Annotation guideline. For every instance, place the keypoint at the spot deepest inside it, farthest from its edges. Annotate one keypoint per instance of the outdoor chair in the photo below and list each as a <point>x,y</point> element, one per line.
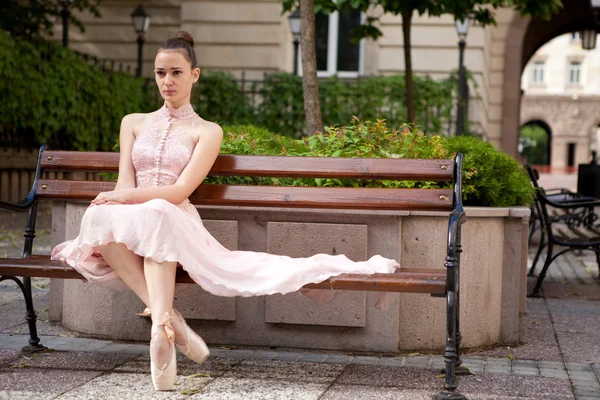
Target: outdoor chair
<point>566,220</point>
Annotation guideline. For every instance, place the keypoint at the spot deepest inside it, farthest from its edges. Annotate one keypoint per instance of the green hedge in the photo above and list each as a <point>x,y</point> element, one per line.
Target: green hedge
<point>55,97</point>
<point>278,104</point>
<point>491,178</point>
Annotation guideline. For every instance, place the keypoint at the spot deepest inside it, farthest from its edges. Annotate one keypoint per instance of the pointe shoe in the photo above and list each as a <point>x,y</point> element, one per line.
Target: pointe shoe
<point>195,349</point>
<point>163,376</point>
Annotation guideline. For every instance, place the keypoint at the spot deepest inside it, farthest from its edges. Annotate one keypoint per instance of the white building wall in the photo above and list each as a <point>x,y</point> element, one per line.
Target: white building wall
<point>556,56</point>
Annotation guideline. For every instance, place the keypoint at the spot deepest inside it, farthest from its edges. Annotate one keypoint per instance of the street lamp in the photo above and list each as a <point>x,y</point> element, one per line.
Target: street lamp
<point>66,15</point>
<point>141,21</point>
<point>462,28</point>
<point>588,39</point>
<point>588,36</point>
<point>295,27</point>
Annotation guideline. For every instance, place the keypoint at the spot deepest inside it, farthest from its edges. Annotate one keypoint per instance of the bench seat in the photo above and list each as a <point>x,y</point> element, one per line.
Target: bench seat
<point>415,280</point>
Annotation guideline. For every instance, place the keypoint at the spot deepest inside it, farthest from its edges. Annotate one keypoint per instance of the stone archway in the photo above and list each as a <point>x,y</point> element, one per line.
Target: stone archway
<point>571,121</point>
<point>525,36</point>
<point>544,125</point>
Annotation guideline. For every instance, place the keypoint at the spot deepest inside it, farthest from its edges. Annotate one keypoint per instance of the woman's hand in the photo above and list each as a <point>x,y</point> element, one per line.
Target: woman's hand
<point>112,197</point>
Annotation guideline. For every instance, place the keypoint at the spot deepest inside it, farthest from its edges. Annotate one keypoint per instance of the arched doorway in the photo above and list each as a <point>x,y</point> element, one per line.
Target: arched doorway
<point>525,36</point>
<point>535,143</point>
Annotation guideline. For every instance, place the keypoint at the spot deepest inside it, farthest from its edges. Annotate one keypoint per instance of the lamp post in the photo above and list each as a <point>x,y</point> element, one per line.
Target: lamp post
<point>462,28</point>
<point>141,21</point>
<point>295,27</point>
<point>65,13</point>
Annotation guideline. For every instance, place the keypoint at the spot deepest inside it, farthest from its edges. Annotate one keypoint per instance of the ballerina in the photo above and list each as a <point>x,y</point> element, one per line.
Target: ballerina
<point>135,236</point>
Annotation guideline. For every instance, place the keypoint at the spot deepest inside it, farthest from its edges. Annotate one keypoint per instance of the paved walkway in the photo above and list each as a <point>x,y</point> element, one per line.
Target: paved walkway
<point>559,358</point>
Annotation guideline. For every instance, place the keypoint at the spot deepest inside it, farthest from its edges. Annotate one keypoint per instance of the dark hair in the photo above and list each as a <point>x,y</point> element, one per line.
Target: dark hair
<point>182,41</point>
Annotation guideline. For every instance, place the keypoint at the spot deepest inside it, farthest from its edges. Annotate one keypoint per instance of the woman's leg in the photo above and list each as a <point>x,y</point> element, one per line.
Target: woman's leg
<point>160,280</point>
<point>129,266</point>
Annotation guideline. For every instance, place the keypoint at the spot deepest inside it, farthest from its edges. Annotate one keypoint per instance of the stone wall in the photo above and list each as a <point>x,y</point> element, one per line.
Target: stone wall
<point>492,288</point>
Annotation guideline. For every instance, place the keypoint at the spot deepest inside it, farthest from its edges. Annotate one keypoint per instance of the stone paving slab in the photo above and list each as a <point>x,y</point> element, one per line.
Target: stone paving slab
<point>119,386</point>
<point>258,389</point>
<point>80,361</point>
<point>43,380</point>
<point>8,355</point>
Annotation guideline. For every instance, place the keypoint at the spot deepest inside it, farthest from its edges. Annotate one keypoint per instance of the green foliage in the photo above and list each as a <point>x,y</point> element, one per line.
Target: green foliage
<point>56,98</point>
<point>481,11</point>
<point>490,177</point>
<point>535,144</point>
<point>279,105</point>
<point>217,96</point>
<point>34,19</point>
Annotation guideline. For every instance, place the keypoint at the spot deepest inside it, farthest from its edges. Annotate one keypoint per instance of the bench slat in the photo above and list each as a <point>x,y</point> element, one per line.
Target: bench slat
<point>414,280</point>
<point>277,166</point>
<point>276,196</point>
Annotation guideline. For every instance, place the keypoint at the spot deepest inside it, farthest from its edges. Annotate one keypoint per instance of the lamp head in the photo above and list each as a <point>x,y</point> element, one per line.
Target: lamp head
<point>462,27</point>
<point>295,25</point>
<point>140,19</point>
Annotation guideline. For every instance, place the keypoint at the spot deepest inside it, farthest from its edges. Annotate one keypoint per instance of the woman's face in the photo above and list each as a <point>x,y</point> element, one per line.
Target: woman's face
<point>174,77</point>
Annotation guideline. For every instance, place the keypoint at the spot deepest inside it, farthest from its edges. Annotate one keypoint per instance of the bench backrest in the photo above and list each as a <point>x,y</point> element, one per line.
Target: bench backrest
<point>276,166</point>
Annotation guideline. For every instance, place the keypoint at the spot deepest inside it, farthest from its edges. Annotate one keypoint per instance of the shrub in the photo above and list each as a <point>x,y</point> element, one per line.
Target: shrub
<point>490,177</point>
<point>277,102</point>
<point>55,97</point>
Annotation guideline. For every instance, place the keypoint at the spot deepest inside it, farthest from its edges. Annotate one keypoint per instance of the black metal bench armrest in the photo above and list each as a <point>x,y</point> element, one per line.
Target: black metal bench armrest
<point>559,191</point>
<point>574,203</point>
<point>29,200</point>
<point>23,205</point>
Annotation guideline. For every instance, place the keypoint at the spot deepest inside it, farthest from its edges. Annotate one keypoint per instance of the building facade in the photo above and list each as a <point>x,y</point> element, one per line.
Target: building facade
<point>561,86</point>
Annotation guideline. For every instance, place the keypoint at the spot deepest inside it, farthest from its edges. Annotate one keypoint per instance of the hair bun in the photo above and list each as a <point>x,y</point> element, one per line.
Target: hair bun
<point>183,35</point>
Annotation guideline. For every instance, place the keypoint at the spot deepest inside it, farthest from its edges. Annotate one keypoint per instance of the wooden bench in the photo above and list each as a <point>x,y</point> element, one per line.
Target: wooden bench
<point>567,220</point>
<point>437,282</point>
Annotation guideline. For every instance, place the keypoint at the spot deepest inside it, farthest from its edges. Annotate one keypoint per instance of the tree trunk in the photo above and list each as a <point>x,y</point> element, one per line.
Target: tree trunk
<point>408,74</point>
<point>310,84</point>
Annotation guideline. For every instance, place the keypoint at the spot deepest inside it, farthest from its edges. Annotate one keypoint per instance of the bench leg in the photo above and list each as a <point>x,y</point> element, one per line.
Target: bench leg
<point>538,253</point>
<point>597,251</point>
<point>451,354</point>
<point>31,317</point>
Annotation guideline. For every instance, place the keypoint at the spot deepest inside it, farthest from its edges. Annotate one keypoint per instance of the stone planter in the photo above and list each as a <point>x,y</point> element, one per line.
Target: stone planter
<point>492,281</point>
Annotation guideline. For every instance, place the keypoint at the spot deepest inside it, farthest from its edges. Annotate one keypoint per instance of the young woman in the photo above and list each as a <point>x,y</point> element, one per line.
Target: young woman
<point>137,234</point>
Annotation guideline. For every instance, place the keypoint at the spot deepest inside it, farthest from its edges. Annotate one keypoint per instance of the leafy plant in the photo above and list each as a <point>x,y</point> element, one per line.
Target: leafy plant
<point>490,177</point>
<point>276,103</point>
<point>58,99</point>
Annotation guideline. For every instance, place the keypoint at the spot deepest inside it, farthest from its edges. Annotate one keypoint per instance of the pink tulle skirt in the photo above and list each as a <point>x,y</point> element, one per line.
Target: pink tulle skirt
<point>163,232</point>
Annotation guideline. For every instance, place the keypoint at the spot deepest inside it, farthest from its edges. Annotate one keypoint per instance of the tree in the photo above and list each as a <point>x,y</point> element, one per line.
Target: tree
<point>534,141</point>
<point>34,19</point>
<point>310,83</point>
<point>480,10</point>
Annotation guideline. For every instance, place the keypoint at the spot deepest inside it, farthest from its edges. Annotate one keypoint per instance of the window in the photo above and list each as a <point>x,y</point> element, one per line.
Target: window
<point>335,53</point>
<point>537,73</point>
<point>575,73</point>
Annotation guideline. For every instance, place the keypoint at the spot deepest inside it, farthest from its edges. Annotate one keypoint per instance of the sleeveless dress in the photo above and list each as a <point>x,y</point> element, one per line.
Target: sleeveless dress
<point>163,231</point>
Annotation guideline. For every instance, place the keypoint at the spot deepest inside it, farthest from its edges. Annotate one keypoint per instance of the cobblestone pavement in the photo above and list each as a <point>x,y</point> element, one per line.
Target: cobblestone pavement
<point>559,357</point>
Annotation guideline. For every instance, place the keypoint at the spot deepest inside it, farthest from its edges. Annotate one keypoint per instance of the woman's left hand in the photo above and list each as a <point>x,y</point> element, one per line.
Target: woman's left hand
<point>111,197</point>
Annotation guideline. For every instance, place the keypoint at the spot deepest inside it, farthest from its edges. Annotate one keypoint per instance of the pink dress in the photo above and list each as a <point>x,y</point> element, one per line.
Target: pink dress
<point>164,231</point>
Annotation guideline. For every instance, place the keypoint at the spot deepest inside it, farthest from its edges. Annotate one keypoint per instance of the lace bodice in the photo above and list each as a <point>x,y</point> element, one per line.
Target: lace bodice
<point>163,146</point>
